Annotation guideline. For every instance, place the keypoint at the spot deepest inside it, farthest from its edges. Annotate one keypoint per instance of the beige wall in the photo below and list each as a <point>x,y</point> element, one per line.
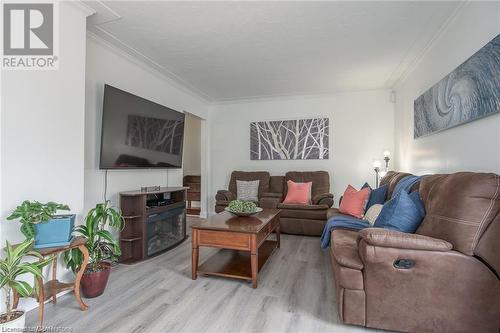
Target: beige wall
<point>108,65</point>
<point>42,132</point>
<point>470,147</point>
<point>361,127</point>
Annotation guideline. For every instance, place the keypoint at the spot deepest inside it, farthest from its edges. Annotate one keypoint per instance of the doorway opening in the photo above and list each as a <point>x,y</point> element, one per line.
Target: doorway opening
<point>192,163</point>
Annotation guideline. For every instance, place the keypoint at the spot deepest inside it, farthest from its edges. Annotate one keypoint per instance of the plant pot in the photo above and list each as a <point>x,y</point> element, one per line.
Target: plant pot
<point>16,325</point>
<point>93,283</point>
<point>55,232</point>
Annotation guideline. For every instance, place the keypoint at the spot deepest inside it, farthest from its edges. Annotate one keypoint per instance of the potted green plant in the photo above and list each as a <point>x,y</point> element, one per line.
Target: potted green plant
<point>102,247</point>
<point>38,221</point>
<point>11,268</point>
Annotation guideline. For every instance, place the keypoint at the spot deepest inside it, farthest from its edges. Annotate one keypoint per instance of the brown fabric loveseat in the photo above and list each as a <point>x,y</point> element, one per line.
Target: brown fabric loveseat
<point>310,219</point>
<point>295,219</point>
<point>443,278</point>
<point>266,198</point>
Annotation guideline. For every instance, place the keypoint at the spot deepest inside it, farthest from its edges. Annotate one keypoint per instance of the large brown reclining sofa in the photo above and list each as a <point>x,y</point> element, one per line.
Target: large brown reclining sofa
<point>295,219</point>
<point>443,278</point>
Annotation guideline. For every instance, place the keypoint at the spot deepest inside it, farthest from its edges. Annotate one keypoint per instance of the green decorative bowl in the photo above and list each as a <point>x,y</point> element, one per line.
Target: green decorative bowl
<point>257,210</point>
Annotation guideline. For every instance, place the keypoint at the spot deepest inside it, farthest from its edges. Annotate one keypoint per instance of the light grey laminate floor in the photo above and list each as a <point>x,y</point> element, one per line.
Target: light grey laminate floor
<point>296,293</point>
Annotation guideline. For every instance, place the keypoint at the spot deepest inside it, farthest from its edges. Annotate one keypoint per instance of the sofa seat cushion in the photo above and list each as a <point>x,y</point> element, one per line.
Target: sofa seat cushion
<point>306,227</point>
<point>311,212</point>
<point>332,212</point>
<point>302,207</point>
<point>344,248</point>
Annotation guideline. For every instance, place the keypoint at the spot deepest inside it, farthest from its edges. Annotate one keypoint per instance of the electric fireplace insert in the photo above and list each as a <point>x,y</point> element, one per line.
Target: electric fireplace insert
<point>165,230</point>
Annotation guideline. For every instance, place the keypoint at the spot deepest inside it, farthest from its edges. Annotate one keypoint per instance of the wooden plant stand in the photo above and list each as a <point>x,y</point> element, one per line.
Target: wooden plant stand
<point>54,286</point>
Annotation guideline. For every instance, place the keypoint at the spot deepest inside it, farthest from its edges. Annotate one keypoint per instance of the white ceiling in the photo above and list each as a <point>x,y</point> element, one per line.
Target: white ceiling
<point>240,50</point>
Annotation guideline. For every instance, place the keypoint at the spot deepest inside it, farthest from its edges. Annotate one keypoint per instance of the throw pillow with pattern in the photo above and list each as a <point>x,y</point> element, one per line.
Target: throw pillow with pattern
<point>247,190</point>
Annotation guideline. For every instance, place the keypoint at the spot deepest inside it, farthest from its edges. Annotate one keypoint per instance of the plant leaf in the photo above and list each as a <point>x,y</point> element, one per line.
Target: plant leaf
<point>30,268</point>
<point>106,235</point>
<point>22,248</point>
<point>41,264</point>
<point>28,230</point>
<point>34,254</point>
<point>22,287</point>
<point>3,280</point>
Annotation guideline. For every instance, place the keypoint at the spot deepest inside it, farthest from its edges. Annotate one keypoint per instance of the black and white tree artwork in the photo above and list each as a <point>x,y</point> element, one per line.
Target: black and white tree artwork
<point>304,139</point>
<point>162,135</point>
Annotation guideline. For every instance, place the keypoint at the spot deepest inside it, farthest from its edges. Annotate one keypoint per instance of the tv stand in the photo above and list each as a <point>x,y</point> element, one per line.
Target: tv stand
<point>155,222</point>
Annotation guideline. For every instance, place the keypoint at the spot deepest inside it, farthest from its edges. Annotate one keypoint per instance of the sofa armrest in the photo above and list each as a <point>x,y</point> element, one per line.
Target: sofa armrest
<point>323,199</point>
<point>270,200</point>
<point>398,270</point>
<point>223,195</point>
<point>395,239</point>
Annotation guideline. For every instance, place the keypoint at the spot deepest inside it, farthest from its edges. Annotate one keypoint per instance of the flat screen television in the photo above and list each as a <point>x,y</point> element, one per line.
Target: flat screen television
<point>137,133</point>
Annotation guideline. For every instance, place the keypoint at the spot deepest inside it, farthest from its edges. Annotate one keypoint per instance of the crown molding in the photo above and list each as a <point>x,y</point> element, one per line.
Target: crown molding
<point>104,14</point>
<point>428,46</point>
<point>280,97</point>
<point>105,38</point>
<point>80,5</point>
<point>118,47</point>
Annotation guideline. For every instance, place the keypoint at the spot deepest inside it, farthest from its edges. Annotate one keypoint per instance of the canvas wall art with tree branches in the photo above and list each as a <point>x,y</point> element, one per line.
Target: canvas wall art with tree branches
<point>162,135</point>
<point>303,139</point>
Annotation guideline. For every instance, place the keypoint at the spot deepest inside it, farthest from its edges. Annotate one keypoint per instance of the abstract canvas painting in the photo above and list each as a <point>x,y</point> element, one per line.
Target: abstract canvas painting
<point>304,139</point>
<point>162,135</point>
<point>470,92</point>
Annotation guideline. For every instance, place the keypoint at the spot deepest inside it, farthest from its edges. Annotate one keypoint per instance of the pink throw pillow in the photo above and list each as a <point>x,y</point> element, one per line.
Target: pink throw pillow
<point>354,201</point>
<point>298,193</point>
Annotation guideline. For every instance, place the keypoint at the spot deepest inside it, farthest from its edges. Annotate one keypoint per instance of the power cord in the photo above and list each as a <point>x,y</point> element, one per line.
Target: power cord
<point>105,185</point>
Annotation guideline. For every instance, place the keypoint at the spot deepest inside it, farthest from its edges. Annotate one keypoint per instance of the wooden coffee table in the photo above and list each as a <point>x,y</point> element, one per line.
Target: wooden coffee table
<point>243,243</point>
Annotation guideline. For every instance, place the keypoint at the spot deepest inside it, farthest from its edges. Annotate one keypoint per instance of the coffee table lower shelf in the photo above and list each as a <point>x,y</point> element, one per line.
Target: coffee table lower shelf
<point>236,264</point>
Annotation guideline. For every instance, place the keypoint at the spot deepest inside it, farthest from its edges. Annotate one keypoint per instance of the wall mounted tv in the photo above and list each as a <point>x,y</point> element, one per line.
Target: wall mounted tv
<point>137,133</point>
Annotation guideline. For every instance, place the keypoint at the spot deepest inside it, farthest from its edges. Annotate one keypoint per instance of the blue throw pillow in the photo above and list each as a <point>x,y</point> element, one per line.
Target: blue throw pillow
<point>402,213</point>
<point>415,197</point>
<point>377,196</point>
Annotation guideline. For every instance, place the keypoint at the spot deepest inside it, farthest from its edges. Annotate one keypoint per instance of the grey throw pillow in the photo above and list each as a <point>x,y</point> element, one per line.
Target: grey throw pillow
<point>247,190</point>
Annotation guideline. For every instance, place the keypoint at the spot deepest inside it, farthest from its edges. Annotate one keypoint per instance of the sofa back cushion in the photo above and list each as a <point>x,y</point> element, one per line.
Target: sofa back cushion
<point>488,247</point>
<point>261,176</point>
<point>460,207</point>
<point>320,180</point>
<point>277,184</point>
<point>391,179</point>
